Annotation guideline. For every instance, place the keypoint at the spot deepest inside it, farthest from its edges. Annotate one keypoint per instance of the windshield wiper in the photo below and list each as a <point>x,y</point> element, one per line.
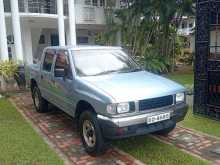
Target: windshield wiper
<point>106,72</point>
<point>131,70</point>
<point>119,71</point>
<point>136,70</point>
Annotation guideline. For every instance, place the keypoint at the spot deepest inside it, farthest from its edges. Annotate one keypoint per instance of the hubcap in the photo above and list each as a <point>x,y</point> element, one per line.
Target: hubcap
<point>89,133</point>
<point>36,99</point>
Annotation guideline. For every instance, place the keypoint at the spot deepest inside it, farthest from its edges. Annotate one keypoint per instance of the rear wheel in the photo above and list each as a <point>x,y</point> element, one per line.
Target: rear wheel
<point>166,131</point>
<point>40,104</point>
<point>91,134</point>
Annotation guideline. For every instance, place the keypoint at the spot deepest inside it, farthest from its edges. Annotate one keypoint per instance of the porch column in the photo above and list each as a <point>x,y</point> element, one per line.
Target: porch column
<point>3,35</point>
<point>17,30</point>
<point>61,28</point>
<point>72,22</point>
<point>27,42</point>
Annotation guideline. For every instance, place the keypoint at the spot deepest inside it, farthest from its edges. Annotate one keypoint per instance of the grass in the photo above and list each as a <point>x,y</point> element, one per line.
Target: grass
<point>185,79</point>
<point>202,124</point>
<point>20,144</point>
<point>154,152</point>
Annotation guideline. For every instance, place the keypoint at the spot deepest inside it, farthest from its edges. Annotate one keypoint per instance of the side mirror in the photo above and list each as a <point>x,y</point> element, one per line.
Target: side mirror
<point>60,72</point>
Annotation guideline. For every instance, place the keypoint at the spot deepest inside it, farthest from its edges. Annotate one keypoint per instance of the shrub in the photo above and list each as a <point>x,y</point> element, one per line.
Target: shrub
<point>8,69</point>
<point>153,62</point>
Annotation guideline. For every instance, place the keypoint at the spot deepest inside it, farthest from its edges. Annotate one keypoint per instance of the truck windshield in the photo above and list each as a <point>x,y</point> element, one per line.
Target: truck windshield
<point>101,62</point>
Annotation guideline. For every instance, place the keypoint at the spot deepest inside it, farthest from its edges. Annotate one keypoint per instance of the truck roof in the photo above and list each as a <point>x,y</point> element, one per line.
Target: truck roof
<point>83,47</point>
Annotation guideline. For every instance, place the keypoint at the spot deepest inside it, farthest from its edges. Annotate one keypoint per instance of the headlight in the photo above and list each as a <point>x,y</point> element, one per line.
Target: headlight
<point>180,97</point>
<point>111,109</point>
<point>123,108</point>
<point>119,108</point>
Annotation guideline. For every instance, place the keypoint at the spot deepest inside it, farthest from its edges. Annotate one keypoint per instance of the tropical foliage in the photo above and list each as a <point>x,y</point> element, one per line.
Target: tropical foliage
<point>149,30</point>
<point>8,69</point>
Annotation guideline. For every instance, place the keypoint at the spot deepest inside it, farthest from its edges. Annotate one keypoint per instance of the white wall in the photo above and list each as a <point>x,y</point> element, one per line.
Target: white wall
<point>89,14</point>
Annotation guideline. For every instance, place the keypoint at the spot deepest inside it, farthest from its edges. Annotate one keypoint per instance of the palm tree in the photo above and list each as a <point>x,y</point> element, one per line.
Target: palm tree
<point>148,24</point>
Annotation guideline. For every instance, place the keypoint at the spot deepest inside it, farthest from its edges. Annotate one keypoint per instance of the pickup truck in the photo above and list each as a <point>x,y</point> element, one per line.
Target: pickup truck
<point>107,92</point>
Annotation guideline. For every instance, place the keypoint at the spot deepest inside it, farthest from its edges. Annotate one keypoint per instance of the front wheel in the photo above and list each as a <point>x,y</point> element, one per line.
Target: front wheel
<point>91,134</point>
<point>40,104</point>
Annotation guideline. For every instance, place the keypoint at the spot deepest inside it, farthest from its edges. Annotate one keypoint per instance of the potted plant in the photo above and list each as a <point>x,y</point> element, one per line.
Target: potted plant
<point>8,69</point>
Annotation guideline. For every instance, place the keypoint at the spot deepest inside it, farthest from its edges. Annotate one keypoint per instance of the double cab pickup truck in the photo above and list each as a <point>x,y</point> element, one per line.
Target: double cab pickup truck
<point>107,92</point>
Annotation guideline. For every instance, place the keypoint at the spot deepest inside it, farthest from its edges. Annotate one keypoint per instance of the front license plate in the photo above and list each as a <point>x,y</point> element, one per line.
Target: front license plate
<point>158,118</point>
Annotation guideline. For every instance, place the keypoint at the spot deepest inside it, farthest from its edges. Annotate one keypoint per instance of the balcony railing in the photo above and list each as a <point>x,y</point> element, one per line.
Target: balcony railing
<point>36,6</point>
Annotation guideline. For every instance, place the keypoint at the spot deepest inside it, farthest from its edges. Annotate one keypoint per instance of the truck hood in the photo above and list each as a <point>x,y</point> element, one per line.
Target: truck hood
<point>134,86</point>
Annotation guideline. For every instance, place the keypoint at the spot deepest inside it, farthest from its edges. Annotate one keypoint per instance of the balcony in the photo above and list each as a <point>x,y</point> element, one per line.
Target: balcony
<point>87,11</point>
<point>36,6</point>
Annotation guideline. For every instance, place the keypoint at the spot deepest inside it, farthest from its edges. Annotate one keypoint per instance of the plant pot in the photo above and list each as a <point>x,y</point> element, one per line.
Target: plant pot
<point>8,85</point>
<point>20,77</point>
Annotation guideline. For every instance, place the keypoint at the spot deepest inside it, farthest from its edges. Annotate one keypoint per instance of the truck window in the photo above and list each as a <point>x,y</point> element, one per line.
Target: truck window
<point>48,60</point>
<point>62,62</point>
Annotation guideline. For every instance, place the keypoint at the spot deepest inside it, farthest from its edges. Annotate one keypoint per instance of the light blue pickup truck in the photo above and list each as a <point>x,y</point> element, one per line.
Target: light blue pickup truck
<point>107,92</point>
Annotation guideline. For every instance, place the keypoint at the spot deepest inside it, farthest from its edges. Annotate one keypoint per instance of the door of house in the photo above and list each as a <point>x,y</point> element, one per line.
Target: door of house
<point>54,40</point>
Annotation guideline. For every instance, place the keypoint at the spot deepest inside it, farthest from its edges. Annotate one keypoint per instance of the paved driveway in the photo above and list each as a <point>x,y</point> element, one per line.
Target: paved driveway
<point>59,131</point>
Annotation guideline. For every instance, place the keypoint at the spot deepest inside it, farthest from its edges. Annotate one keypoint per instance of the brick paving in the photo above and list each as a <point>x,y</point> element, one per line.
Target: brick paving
<point>198,144</point>
<point>59,130</point>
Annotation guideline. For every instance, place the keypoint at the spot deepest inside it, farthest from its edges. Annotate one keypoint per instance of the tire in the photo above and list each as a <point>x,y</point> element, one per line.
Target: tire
<point>99,146</point>
<point>166,131</point>
<point>40,104</point>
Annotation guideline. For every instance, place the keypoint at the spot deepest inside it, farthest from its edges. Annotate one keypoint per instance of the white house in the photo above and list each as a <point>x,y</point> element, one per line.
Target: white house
<point>27,26</point>
<point>187,29</point>
<point>187,26</point>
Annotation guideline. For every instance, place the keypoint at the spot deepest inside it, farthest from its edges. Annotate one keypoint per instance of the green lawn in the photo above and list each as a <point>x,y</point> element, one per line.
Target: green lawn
<point>153,152</point>
<point>19,143</point>
<point>182,78</point>
<point>202,124</point>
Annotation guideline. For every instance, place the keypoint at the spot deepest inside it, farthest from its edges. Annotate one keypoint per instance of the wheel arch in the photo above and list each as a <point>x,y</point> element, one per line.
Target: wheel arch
<point>82,106</point>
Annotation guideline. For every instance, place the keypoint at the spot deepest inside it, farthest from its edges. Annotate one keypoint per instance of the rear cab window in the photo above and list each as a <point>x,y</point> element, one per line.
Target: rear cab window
<point>48,60</point>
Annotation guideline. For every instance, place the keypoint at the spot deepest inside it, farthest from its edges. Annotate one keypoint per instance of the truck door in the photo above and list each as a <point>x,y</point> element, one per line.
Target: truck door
<point>63,82</point>
<point>46,74</point>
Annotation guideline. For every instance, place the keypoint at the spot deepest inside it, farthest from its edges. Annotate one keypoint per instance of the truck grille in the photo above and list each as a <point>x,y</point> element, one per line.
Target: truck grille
<point>155,103</point>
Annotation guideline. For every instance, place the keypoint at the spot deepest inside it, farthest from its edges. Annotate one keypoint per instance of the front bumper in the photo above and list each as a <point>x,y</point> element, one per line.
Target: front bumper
<point>114,128</point>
